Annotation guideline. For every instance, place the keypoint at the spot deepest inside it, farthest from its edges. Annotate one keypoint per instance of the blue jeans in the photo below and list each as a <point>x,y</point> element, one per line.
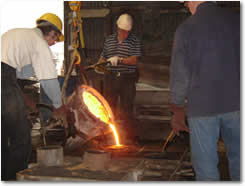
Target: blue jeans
<point>204,135</point>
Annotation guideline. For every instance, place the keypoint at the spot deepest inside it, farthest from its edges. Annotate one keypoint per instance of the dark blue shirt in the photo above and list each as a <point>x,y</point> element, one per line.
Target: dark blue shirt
<point>205,64</point>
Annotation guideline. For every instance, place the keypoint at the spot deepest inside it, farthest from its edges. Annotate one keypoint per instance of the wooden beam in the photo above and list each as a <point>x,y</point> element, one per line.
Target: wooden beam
<point>152,97</point>
<point>94,13</point>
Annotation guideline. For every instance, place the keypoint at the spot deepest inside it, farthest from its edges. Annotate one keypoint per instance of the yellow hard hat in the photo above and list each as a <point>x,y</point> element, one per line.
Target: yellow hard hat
<point>53,19</point>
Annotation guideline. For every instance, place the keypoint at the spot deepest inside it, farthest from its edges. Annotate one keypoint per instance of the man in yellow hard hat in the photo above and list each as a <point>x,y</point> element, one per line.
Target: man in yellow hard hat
<point>53,20</point>
<point>25,52</point>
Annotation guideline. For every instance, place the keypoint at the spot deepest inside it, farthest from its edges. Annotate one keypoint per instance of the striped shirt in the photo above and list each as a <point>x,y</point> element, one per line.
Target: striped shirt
<point>129,47</point>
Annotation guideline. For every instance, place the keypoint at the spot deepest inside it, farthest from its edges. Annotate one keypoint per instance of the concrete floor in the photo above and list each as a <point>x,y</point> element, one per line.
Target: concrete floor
<point>151,137</point>
<point>174,151</point>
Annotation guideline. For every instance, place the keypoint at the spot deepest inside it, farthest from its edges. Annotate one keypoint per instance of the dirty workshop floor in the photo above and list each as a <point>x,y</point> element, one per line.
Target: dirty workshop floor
<point>145,163</point>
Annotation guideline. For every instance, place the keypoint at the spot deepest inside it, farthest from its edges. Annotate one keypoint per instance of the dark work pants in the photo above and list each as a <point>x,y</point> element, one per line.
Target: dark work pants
<point>123,88</point>
<point>15,129</point>
<point>45,113</point>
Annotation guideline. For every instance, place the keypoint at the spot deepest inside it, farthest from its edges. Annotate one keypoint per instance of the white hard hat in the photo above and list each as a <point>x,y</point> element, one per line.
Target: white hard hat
<point>125,22</point>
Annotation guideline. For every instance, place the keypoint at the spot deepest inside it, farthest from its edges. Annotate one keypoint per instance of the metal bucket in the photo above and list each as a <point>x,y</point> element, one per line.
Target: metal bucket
<point>96,160</point>
<point>86,123</point>
<point>51,155</point>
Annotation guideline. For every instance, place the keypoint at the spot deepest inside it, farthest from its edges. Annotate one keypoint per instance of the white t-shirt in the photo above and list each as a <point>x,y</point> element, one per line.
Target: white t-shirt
<point>23,46</point>
<point>25,50</point>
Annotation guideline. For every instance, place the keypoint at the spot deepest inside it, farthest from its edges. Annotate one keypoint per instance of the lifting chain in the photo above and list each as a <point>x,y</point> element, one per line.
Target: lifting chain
<point>77,32</point>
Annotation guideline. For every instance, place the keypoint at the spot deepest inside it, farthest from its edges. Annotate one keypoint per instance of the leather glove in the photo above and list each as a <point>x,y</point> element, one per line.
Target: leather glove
<point>114,60</point>
<point>178,119</point>
<point>61,113</point>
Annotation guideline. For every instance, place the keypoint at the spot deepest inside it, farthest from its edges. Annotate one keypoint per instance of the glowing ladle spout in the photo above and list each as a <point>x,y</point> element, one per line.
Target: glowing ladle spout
<point>96,108</point>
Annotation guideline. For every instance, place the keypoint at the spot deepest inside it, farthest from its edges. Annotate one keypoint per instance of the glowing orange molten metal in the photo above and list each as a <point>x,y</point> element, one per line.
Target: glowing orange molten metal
<point>115,134</point>
<point>95,107</point>
<point>100,110</point>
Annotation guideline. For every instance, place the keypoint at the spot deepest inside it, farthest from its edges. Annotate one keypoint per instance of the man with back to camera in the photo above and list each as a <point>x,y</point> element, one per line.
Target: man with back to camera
<point>205,71</point>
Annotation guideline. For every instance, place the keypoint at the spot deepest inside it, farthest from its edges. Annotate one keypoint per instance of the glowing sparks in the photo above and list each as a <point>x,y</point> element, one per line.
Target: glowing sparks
<point>99,111</point>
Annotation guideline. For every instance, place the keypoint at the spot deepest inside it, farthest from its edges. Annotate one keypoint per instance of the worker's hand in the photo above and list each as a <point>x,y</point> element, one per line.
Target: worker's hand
<point>61,113</point>
<point>178,119</point>
<point>114,60</point>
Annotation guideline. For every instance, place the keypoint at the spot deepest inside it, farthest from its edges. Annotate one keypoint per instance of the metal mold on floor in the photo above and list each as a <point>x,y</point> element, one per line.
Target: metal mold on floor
<point>50,155</point>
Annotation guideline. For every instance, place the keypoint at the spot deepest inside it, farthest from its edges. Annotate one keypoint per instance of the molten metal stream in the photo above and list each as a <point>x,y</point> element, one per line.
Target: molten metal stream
<point>96,108</point>
<point>115,134</point>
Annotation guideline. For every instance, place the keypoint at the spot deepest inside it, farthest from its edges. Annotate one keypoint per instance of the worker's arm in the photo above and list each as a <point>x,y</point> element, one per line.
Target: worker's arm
<point>179,82</point>
<point>179,73</point>
<point>132,60</point>
<point>52,89</point>
<point>134,54</point>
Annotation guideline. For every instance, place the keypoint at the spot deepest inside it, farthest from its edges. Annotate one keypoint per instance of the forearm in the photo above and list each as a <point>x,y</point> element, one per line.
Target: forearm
<point>178,94</point>
<point>179,83</point>
<point>132,60</point>
<point>52,89</point>
<point>179,73</point>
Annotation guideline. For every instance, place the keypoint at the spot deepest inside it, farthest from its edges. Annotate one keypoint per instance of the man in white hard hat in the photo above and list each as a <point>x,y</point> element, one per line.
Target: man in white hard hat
<point>25,52</point>
<point>205,70</point>
<point>122,49</point>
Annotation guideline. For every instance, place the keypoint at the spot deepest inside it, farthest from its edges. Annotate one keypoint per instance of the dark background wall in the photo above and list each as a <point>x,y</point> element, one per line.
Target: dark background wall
<point>155,23</point>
